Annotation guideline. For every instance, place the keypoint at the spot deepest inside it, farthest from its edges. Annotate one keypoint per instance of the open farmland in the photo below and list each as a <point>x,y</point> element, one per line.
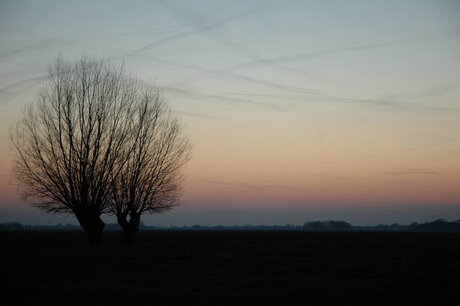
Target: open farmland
<point>231,267</point>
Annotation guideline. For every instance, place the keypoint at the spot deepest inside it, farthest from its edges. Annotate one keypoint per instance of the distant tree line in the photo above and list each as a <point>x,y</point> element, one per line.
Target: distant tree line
<point>437,225</point>
<point>16,226</point>
<point>327,225</point>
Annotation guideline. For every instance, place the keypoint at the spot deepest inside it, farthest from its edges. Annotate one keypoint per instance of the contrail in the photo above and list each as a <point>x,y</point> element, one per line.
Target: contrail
<point>14,89</point>
<point>15,85</point>
<point>217,97</point>
<point>322,53</point>
<point>235,75</point>
<point>300,90</point>
<point>37,80</point>
<point>192,114</point>
<point>401,105</point>
<point>381,154</point>
<point>198,20</point>
<point>275,61</point>
<point>51,43</point>
<point>17,88</point>
<point>306,56</point>
<point>234,184</point>
<point>411,172</point>
<point>203,28</point>
<point>313,93</point>
<point>41,45</point>
<point>191,16</point>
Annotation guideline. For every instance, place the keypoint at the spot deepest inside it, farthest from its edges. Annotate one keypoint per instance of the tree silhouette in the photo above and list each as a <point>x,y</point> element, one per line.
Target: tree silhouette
<point>72,145</point>
<point>150,179</point>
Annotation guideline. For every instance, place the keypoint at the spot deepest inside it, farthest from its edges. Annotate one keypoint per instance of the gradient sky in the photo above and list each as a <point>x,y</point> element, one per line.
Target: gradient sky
<point>298,110</point>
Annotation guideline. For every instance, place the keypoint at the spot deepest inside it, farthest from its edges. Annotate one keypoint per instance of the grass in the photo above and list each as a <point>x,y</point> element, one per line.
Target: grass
<point>231,268</point>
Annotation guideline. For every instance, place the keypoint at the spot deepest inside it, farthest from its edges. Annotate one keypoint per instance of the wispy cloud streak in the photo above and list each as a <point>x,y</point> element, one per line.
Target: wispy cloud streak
<point>289,88</point>
<point>196,115</point>
<point>203,28</point>
<point>307,94</point>
<point>59,43</point>
<point>242,185</point>
<point>217,97</point>
<point>233,184</point>
<point>304,56</point>
<point>9,92</point>
<point>411,172</point>
<point>188,17</point>
<point>415,148</point>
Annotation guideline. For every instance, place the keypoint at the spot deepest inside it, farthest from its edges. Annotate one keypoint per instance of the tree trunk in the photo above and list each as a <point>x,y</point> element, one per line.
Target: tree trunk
<point>93,226</point>
<point>130,227</point>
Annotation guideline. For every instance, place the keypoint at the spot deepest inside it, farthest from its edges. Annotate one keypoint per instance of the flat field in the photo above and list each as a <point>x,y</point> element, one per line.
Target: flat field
<point>231,268</point>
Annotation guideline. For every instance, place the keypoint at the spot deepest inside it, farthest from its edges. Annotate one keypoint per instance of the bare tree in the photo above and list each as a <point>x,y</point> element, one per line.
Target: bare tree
<point>73,142</point>
<point>150,179</point>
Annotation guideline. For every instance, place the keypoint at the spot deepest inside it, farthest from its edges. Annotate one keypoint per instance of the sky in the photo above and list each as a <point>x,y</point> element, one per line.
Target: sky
<point>297,110</point>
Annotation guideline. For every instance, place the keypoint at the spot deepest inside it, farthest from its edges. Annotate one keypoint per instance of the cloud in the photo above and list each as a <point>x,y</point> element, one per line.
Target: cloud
<point>204,27</point>
<point>8,92</point>
<point>338,177</point>
<point>306,56</point>
<point>45,44</point>
<point>14,87</point>
<point>301,90</point>
<point>216,97</point>
<point>188,17</point>
<point>409,106</point>
<point>429,92</point>
<point>192,114</point>
<point>439,90</point>
<point>233,184</point>
<point>58,43</point>
<point>398,182</point>
<point>415,148</point>
<point>303,56</point>
<point>242,185</point>
<point>305,93</point>
<point>411,172</point>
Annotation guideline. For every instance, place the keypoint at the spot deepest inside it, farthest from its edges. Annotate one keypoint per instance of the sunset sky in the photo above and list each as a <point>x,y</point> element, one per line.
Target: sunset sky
<point>297,110</point>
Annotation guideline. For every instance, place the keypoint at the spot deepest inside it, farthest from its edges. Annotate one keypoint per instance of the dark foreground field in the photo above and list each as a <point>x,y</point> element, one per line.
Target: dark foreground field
<point>231,268</point>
